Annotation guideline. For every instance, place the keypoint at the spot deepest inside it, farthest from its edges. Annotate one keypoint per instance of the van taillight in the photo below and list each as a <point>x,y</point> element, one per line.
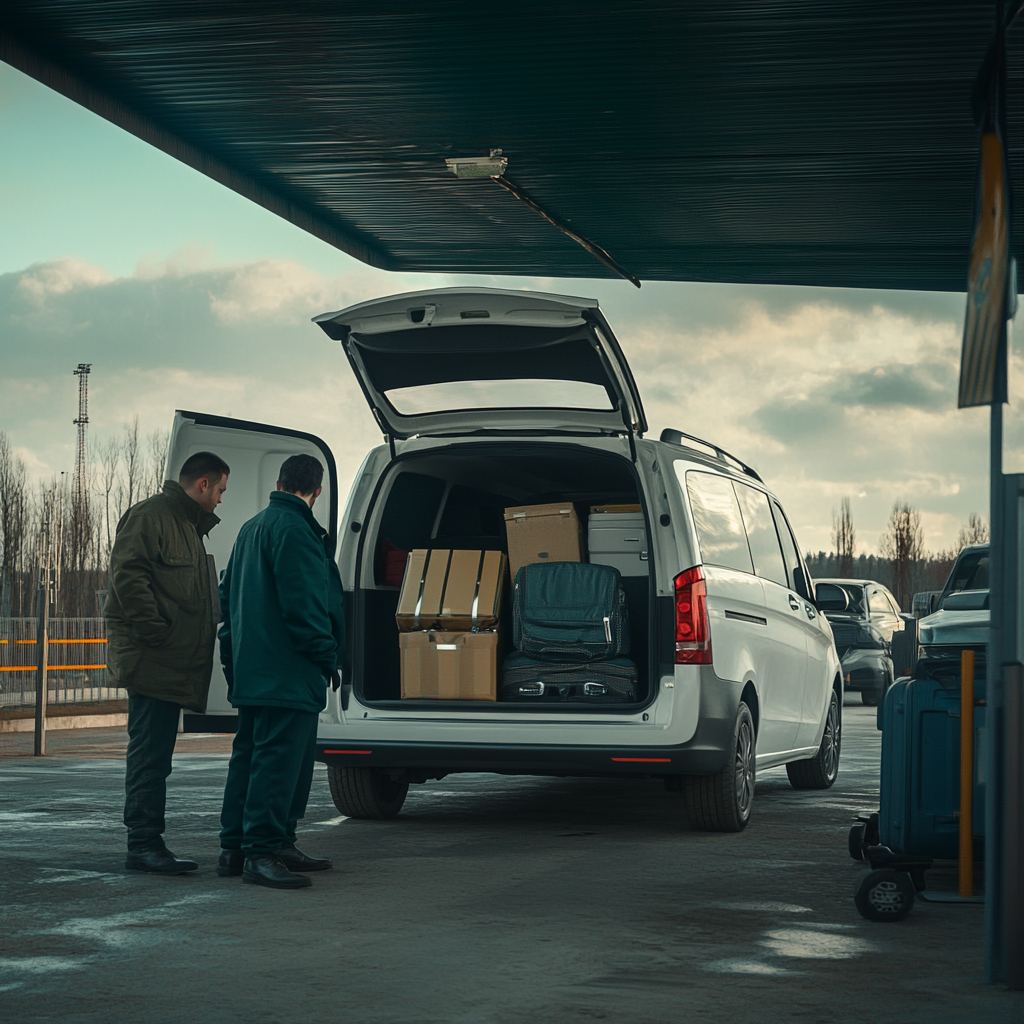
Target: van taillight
<point>693,631</point>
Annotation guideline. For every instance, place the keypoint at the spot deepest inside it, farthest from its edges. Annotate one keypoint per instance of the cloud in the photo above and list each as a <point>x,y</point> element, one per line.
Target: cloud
<point>826,393</point>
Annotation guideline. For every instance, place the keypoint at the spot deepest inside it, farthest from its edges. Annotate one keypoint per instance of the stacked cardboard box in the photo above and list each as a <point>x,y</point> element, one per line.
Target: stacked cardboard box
<point>448,613</point>
<point>543,533</point>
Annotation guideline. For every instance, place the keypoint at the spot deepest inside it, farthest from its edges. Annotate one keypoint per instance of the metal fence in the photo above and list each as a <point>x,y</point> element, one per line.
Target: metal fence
<point>77,657</point>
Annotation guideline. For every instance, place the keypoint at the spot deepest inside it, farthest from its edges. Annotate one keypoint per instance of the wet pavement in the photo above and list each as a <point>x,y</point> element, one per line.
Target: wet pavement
<point>489,899</point>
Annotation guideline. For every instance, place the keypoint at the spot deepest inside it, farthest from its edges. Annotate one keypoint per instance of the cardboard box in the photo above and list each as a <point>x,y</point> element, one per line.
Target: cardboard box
<point>614,509</point>
<point>543,533</point>
<point>451,590</point>
<point>449,666</point>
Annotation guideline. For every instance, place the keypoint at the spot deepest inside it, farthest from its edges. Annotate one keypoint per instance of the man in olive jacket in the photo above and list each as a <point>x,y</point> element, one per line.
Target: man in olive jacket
<point>279,644</point>
<point>160,636</point>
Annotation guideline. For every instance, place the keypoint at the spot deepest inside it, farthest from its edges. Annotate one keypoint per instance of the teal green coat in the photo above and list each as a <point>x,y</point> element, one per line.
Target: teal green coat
<point>159,611</point>
<point>280,598</point>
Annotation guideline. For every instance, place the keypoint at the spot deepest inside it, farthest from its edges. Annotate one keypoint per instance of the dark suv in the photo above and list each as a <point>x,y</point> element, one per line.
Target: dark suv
<point>863,616</point>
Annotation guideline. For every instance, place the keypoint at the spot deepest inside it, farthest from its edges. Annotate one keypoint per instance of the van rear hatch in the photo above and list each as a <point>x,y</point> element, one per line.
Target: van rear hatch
<point>464,361</point>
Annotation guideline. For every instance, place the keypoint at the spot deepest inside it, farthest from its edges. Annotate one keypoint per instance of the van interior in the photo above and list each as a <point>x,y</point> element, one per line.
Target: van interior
<point>456,499</point>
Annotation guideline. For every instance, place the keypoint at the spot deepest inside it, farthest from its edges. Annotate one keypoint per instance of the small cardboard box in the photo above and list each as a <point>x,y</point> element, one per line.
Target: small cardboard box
<point>543,533</point>
<point>449,666</point>
<point>451,590</point>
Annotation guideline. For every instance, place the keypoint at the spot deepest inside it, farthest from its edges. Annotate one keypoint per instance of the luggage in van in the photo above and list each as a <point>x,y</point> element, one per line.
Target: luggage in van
<point>597,682</point>
<point>543,533</point>
<point>919,809</point>
<point>449,666</point>
<point>451,590</point>
<point>618,538</point>
<point>569,611</point>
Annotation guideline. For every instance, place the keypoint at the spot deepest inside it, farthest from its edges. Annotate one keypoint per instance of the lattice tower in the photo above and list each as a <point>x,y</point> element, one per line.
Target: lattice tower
<point>81,482</point>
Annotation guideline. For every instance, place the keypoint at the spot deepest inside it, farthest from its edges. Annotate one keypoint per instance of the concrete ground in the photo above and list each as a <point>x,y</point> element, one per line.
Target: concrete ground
<point>490,900</point>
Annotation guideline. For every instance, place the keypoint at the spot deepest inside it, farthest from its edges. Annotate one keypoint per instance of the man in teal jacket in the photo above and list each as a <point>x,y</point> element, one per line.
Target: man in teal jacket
<point>279,644</point>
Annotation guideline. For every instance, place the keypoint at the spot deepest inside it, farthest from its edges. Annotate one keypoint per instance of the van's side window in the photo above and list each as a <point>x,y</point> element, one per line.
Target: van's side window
<point>764,541</point>
<point>788,545</point>
<point>717,519</point>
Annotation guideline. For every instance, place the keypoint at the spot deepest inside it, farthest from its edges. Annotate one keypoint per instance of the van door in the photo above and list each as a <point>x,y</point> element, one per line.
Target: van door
<point>817,637</point>
<point>254,451</point>
<point>785,675</point>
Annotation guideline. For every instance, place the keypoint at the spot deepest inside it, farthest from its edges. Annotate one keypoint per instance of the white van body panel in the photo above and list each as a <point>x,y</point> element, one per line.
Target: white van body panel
<point>254,452</point>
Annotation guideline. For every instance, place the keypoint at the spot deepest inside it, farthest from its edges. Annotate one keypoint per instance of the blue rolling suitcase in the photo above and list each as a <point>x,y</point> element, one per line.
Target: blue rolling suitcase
<point>569,611</point>
<point>919,812</point>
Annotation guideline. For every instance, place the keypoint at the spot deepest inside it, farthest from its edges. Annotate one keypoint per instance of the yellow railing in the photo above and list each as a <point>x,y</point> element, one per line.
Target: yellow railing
<point>51,665</point>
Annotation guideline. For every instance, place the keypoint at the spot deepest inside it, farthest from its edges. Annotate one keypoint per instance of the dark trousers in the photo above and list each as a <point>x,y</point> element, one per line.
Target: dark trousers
<point>152,731</point>
<point>269,777</point>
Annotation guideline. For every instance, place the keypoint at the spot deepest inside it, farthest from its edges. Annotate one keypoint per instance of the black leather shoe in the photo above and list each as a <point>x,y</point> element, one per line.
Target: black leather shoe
<point>296,860</point>
<point>160,861</point>
<point>268,869</point>
<point>231,863</point>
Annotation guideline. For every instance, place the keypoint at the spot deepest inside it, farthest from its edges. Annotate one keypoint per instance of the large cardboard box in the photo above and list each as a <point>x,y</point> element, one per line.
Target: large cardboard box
<point>543,533</point>
<point>449,666</point>
<point>451,590</point>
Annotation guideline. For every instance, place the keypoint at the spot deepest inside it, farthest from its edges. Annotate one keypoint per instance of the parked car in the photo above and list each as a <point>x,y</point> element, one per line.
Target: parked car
<point>488,399</point>
<point>864,616</point>
<point>962,617</point>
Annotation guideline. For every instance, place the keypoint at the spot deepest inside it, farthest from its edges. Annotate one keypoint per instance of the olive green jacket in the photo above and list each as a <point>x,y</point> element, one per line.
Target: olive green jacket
<point>160,611</point>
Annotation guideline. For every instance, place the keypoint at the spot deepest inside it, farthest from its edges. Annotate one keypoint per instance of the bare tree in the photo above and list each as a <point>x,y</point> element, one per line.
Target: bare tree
<point>974,531</point>
<point>130,479</point>
<point>107,485</point>
<point>903,544</point>
<point>158,442</point>
<point>14,515</point>
<point>844,538</point>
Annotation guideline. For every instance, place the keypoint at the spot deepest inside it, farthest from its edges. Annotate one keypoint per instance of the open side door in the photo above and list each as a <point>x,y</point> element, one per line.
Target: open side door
<point>254,451</point>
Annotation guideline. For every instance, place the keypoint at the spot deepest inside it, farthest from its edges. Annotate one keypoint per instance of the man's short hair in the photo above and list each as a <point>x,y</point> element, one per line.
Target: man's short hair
<point>300,474</point>
<point>202,464</point>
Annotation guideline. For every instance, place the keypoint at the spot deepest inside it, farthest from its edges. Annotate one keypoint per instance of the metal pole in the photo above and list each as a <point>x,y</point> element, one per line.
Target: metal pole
<point>966,774</point>
<point>1013,850</point>
<point>994,953</point>
<point>42,648</point>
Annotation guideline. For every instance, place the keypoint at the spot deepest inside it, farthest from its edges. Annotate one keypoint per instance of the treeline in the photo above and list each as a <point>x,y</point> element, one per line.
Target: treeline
<point>903,563</point>
<point>70,528</point>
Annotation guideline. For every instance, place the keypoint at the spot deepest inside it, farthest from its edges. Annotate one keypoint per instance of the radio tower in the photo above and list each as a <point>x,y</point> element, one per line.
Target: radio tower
<point>81,520</point>
<point>81,484</point>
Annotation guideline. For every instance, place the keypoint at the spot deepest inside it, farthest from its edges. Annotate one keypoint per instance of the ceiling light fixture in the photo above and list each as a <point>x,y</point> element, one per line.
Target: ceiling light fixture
<point>493,167</point>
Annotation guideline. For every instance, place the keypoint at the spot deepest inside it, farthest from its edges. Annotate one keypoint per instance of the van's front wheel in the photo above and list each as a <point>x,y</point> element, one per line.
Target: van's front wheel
<point>820,771</point>
<point>365,793</point>
<point>722,802</point>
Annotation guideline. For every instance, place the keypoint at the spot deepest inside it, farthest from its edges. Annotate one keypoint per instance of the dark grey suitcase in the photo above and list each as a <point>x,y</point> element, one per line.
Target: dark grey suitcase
<point>569,611</point>
<point>599,682</point>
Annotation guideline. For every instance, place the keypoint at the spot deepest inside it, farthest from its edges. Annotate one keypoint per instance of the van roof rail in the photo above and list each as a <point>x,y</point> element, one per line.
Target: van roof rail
<point>670,436</point>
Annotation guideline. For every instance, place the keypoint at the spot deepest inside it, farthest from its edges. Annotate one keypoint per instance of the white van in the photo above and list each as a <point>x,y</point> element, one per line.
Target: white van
<point>489,399</point>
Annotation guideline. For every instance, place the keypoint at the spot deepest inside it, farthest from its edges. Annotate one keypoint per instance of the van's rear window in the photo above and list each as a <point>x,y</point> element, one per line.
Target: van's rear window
<point>719,525</point>
<point>452,396</point>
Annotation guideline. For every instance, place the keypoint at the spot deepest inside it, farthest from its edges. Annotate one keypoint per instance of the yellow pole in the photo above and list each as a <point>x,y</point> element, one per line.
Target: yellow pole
<point>966,774</point>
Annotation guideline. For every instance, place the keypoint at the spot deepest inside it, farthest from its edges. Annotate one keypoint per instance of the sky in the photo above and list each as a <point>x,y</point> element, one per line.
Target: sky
<point>184,295</point>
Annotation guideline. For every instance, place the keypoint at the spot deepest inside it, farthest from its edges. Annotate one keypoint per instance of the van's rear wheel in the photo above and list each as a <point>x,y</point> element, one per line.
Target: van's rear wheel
<point>365,793</point>
<point>722,802</point>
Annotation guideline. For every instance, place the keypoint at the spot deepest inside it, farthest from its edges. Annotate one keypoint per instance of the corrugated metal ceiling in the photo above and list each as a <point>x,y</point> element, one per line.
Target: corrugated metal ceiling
<point>778,142</point>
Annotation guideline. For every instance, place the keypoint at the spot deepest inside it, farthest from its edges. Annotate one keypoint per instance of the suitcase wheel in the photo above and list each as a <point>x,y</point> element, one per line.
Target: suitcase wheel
<point>884,895</point>
<point>856,841</point>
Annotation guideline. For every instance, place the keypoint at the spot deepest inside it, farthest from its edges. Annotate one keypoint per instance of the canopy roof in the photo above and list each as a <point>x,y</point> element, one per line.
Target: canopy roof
<point>792,142</point>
